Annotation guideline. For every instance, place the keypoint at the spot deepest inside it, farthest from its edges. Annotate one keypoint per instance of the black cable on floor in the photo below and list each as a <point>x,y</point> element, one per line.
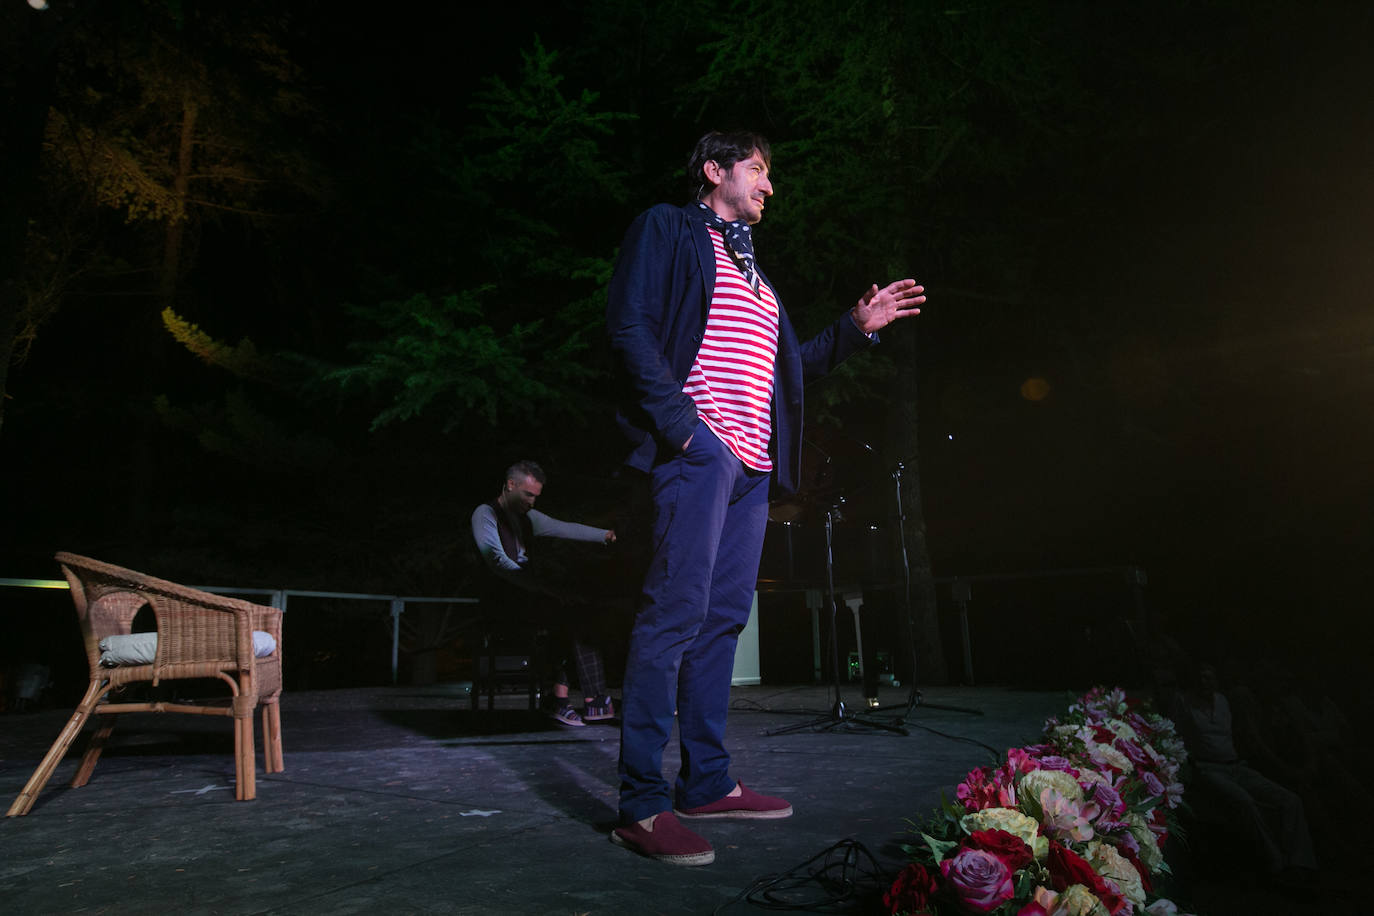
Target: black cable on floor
<point>841,878</point>
<point>996,754</point>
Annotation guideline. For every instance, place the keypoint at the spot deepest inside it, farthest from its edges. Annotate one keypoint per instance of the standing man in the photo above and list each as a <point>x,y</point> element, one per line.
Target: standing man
<point>503,530</point>
<point>711,374</point>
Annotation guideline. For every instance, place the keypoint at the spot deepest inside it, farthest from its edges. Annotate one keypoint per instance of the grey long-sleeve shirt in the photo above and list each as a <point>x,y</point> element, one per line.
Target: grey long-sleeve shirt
<point>488,538</point>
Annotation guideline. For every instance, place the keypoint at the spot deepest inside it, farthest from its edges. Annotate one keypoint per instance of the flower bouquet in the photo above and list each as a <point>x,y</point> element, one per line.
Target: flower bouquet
<point>1073,826</point>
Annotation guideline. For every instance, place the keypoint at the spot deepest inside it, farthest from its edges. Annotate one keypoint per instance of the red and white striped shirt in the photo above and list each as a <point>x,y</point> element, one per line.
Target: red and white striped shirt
<point>732,378</point>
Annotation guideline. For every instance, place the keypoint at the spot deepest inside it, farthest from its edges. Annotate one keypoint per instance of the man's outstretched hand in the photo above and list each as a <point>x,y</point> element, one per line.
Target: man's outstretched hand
<point>878,308</point>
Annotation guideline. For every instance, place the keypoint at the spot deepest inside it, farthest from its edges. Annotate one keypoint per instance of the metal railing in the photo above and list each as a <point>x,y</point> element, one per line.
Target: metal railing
<point>1132,578</point>
<point>960,590</point>
<point>280,597</point>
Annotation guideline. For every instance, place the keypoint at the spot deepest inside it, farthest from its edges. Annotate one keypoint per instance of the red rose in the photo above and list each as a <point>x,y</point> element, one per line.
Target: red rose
<point>1068,867</point>
<point>1008,847</point>
<point>1113,900</point>
<point>911,892</point>
<point>979,881</point>
<point>1144,872</point>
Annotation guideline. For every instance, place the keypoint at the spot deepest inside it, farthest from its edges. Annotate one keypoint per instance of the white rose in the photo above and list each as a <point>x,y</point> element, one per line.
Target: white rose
<point>1063,783</point>
<point>1112,756</point>
<point>1116,868</point>
<point>1151,856</point>
<point>1122,729</point>
<point>1088,778</point>
<point>1077,900</point>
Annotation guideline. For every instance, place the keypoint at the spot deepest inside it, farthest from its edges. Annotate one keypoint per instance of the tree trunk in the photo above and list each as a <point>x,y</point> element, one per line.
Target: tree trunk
<point>923,618</point>
<point>149,338</point>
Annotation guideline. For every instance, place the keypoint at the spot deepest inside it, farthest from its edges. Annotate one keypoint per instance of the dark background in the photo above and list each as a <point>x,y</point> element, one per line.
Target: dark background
<point>1148,341</point>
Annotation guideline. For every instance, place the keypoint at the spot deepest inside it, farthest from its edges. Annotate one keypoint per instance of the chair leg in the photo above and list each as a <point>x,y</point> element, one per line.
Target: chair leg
<point>93,750</point>
<point>271,738</point>
<point>478,684</point>
<point>532,684</point>
<point>40,776</point>
<point>539,663</point>
<point>491,673</point>
<point>245,762</point>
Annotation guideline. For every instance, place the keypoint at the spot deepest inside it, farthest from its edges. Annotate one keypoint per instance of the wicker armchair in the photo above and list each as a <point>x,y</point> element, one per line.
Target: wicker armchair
<point>199,635</point>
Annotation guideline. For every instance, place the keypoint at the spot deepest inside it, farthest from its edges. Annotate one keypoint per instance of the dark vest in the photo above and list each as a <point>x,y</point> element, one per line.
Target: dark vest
<point>510,538</point>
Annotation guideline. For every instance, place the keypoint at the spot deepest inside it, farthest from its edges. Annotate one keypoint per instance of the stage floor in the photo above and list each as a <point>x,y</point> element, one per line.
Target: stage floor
<point>402,800</point>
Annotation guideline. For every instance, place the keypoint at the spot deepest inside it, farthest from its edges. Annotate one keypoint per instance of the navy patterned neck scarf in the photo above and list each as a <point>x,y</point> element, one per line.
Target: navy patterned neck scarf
<point>738,238</point>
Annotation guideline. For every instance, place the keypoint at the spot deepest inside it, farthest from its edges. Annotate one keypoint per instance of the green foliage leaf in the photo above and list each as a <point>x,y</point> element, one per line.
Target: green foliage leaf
<point>441,353</point>
<point>939,849</point>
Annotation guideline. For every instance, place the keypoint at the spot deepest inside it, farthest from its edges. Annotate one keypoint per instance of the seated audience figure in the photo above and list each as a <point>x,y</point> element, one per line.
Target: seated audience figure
<point>1317,739</point>
<point>504,530</point>
<point>1271,816</point>
<point>1261,740</point>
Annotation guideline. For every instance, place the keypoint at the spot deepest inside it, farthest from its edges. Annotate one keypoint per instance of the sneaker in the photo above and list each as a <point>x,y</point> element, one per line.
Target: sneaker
<point>565,715</point>
<point>599,709</point>
<point>747,805</point>
<point>669,842</point>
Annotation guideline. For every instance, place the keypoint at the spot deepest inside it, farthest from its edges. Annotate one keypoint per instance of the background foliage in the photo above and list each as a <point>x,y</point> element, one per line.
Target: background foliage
<point>285,288</point>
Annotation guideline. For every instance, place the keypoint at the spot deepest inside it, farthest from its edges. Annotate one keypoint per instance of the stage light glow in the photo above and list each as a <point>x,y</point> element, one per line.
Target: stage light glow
<point>1035,388</point>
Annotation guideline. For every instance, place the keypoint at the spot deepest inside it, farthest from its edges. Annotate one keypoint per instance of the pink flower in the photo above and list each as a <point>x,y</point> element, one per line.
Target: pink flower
<point>1159,826</point>
<point>985,787</point>
<point>1157,760</point>
<point>1133,752</point>
<point>1065,819</point>
<point>1128,843</point>
<point>1041,904</point>
<point>1109,799</point>
<point>979,881</point>
<point>1022,759</point>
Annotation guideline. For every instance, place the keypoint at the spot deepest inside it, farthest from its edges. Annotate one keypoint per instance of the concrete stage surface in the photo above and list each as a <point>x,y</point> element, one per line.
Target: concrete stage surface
<point>402,800</point>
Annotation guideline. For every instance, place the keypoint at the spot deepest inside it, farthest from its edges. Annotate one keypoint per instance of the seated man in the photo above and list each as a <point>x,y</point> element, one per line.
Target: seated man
<point>1268,815</point>
<point>504,529</point>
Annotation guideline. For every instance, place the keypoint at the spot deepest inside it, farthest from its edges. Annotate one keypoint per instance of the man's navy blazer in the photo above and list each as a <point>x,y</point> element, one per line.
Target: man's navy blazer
<point>656,316</point>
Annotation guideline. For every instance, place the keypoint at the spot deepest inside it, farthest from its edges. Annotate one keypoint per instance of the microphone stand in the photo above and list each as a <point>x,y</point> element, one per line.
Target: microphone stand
<point>914,698</point>
<point>839,717</point>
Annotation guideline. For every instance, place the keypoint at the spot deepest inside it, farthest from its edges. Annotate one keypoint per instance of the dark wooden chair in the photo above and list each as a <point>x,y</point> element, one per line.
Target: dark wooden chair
<point>199,635</point>
<point>510,642</point>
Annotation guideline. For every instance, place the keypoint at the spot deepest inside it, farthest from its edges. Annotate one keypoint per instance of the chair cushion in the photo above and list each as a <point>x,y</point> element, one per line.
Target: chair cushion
<point>141,648</point>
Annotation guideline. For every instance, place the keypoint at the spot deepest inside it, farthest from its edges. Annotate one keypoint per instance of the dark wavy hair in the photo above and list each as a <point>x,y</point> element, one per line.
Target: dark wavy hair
<point>724,148</point>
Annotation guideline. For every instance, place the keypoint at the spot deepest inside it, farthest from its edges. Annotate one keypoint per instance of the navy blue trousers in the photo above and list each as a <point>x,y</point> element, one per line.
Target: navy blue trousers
<point>710,513</point>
